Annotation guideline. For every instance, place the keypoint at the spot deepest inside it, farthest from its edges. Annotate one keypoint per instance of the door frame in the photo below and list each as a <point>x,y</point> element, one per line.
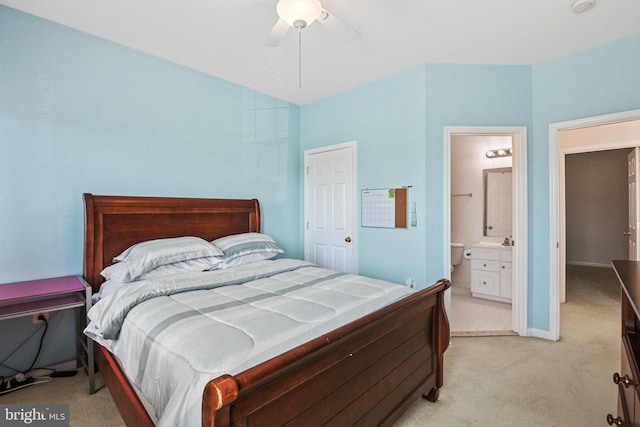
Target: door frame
<point>354,146</point>
<point>520,214</point>
<point>557,208</point>
<point>633,217</point>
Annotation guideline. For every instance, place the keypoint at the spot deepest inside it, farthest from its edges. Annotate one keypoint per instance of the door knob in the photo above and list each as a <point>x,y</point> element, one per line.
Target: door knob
<point>347,239</point>
<point>614,421</point>
<point>625,380</point>
<point>627,233</point>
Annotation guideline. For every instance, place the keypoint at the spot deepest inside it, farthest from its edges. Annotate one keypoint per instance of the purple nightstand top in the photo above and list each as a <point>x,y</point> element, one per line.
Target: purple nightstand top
<point>39,288</point>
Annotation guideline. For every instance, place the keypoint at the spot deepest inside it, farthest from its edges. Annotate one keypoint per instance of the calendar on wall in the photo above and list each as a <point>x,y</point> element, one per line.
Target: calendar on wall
<point>384,207</point>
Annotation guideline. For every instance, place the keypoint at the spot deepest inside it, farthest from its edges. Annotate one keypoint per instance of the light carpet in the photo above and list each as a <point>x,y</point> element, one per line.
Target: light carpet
<point>489,381</point>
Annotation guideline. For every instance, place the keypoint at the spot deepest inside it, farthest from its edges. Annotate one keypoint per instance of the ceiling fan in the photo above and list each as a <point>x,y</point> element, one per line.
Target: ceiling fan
<point>300,14</point>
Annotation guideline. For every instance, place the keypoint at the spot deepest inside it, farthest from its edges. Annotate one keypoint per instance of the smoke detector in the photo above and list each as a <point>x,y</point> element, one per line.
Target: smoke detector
<point>580,6</point>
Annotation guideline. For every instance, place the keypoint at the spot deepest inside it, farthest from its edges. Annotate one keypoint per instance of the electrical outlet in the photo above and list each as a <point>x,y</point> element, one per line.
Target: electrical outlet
<point>36,317</point>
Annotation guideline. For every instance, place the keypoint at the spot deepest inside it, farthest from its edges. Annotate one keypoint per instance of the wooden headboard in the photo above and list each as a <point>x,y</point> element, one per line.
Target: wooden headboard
<point>113,223</point>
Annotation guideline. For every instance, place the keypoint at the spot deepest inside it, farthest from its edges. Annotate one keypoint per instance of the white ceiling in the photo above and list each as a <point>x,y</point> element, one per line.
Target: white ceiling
<point>224,38</point>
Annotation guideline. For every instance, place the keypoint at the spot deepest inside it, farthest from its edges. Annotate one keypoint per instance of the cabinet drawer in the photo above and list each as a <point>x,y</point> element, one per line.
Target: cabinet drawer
<point>627,393</point>
<point>623,407</point>
<point>506,288</point>
<point>487,283</point>
<point>485,265</point>
<point>484,253</point>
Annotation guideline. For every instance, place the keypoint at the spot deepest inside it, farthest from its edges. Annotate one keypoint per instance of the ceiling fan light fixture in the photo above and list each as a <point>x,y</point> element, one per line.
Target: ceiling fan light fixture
<point>299,13</point>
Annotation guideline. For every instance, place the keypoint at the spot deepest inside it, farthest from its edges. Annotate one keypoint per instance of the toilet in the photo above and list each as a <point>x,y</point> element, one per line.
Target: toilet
<point>457,250</point>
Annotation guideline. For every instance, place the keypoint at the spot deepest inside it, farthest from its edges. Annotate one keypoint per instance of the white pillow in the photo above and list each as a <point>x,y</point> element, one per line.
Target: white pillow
<point>146,256</point>
<point>246,259</point>
<point>247,247</point>
<point>107,288</point>
<point>119,272</point>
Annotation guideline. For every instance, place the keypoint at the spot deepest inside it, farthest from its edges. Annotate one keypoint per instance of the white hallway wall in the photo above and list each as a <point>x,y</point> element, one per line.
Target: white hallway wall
<point>597,207</point>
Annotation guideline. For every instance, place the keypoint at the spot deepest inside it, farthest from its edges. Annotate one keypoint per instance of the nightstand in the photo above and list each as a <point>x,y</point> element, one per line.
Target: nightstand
<point>35,297</point>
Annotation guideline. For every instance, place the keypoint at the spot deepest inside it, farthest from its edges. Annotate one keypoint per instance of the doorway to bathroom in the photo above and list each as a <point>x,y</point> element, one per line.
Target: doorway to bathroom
<point>487,229</point>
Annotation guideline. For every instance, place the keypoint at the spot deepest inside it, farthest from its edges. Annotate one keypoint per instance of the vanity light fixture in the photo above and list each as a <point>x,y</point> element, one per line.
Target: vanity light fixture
<point>500,152</point>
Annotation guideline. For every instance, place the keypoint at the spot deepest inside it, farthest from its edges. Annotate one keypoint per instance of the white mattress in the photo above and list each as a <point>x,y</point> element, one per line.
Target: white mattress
<point>172,336</point>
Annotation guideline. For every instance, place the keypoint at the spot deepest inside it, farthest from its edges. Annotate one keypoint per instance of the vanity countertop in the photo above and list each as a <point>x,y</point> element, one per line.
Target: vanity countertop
<point>490,245</point>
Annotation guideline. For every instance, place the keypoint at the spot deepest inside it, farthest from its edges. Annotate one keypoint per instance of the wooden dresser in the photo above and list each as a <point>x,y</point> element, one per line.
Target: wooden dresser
<point>627,379</point>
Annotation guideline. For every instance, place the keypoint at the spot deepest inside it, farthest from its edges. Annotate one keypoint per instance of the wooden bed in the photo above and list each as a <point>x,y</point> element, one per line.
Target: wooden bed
<point>367,372</point>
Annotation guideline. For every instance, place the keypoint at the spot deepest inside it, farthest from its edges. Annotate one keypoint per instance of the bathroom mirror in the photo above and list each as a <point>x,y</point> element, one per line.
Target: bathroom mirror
<point>498,202</point>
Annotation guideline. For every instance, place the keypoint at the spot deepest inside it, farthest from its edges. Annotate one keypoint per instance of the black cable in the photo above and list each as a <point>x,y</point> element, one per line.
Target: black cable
<point>46,326</point>
<point>22,345</point>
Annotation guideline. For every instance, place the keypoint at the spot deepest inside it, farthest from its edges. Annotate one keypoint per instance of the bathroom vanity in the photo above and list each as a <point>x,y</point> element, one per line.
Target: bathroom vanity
<point>491,270</point>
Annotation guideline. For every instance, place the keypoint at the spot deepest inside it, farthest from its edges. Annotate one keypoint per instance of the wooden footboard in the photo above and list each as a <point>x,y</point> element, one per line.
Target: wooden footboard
<point>365,373</point>
<point>124,396</point>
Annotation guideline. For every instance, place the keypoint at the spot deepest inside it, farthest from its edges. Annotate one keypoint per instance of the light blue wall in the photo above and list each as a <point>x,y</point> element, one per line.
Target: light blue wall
<point>387,119</point>
<point>597,81</point>
<point>465,95</point>
<point>594,82</point>
<point>399,125</point>
<point>79,114</point>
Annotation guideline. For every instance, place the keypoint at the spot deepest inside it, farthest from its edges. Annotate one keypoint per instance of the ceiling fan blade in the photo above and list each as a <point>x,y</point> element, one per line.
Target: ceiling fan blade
<point>277,33</point>
<point>338,26</point>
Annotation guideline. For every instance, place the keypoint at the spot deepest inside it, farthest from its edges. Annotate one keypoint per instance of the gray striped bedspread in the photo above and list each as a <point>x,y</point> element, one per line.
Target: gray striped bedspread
<point>171,336</point>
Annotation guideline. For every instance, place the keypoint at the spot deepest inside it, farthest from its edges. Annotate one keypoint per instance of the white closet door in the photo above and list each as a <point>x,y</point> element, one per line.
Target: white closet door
<point>330,208</point>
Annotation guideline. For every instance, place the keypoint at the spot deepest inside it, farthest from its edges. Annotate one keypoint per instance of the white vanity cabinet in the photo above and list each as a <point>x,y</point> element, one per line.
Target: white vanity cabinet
<point>491,272</point>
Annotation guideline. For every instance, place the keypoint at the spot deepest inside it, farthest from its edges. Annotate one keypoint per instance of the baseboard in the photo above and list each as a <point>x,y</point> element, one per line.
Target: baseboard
<point>460,284</point>
<point>589,264</point>
<point>539,333</point>
<point>482,333</point>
